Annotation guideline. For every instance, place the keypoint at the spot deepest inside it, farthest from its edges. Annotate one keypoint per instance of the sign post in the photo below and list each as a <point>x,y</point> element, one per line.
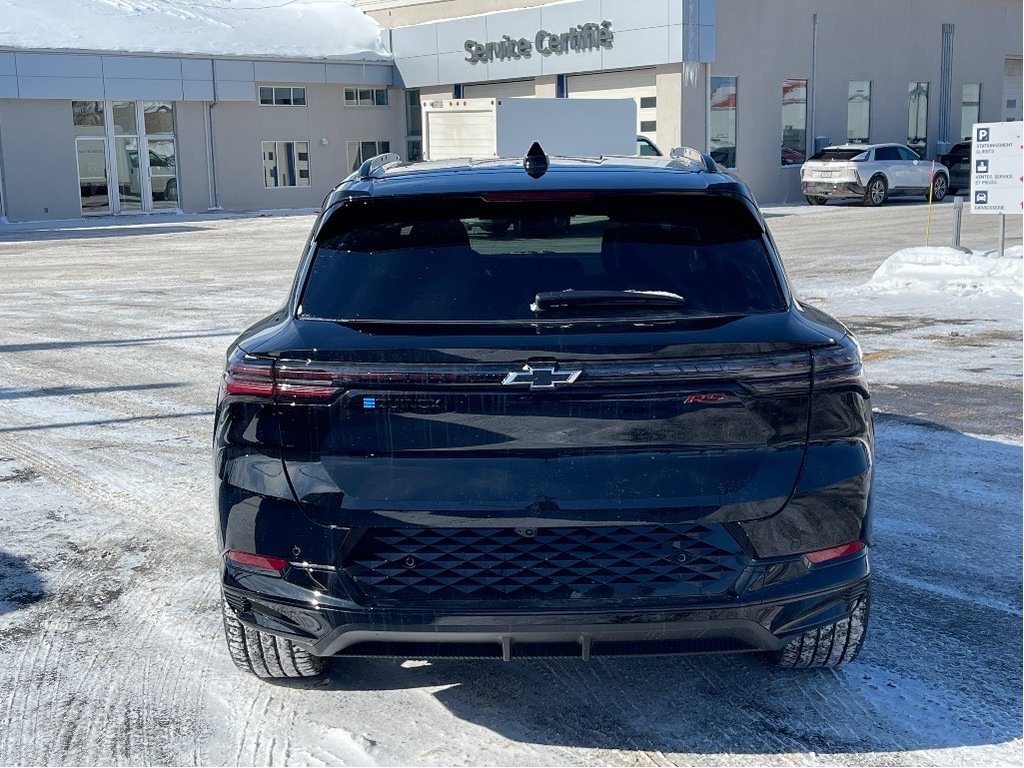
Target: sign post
<point>997,173</point>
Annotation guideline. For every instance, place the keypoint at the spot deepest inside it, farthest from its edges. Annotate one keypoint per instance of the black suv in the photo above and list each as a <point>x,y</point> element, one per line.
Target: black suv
<point>958,161</point>
<point>542,406</point>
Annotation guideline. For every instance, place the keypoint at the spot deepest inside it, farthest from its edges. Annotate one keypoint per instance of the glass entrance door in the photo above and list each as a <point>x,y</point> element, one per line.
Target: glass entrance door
<point>91,147</point>
<point>130,171</point>
<point>158,118</point>
<point>126,156</point>
<point>129,174</point>
<point>92,175</point>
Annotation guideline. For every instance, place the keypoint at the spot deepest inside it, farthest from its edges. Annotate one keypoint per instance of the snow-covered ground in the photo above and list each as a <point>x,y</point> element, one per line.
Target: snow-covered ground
<point>111,652</point>
<point>301,28</point>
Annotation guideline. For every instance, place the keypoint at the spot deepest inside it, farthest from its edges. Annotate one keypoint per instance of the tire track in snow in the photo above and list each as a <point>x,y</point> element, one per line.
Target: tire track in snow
<point>102,720</point>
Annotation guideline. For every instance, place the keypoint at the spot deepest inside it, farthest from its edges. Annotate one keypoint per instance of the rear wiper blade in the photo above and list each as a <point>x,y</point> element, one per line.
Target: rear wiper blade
<point>554,301</point>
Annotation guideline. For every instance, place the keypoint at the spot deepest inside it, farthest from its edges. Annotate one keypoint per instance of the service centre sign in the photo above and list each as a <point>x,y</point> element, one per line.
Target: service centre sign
<point>997,168</point>
<point>582,37</point>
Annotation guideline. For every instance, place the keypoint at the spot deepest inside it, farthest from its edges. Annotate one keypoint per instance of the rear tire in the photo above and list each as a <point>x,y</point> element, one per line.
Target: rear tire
<point>265,655</point>
<point>939,188</point>
<point>815,200</point>
<point>829,646</point>
<point>876,191</point>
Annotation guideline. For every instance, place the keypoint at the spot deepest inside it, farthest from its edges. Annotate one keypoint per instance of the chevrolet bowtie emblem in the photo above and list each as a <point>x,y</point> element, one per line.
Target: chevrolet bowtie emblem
<point>540,378</point>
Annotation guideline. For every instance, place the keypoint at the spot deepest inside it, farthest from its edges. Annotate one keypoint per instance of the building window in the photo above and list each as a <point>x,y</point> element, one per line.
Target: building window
<point>723,120</point>
<point>648,126</point>
<point>858,112</point>
<point>970,108</point>
<point>413,126</point>
<point>794,121</point>
<point>282,97</point>
<point>414,150</point>
<point>917,124</point>
<point>413,114</point>
<point>286,164</point>
<point>359,151</point>
<point>366,97</point>
<point>648,102</point>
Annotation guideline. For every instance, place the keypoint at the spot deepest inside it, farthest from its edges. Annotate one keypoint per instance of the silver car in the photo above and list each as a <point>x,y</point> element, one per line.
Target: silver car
<point>871,173</point>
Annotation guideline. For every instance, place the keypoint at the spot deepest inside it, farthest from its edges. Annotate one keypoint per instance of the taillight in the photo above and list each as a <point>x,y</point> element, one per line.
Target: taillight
<point>839,367</point>
<point>261,378</point>
<point>294,383</point>
<point>257,562</point>
<point>248,377</point>
<point>834,553</point>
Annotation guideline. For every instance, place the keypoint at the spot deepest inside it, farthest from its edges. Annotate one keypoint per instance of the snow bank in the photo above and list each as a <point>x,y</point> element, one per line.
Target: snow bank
<point>949,272</point>
<point>299,28</point>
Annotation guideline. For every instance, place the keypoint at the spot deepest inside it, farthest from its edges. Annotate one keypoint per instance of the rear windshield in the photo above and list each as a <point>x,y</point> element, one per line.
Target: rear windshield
<point>840,155</point>
<point>460,259</point>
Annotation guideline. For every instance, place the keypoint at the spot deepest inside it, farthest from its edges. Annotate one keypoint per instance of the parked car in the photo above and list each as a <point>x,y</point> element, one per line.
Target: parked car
<point>606,429</point>
<point>646,148</point>
<point>870,172</point>
<point>958,163</point>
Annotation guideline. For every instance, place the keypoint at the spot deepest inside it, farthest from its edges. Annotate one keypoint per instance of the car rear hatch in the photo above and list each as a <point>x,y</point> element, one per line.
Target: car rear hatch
<point>570,358</point>
<point>833,165</point>
<point>716,430</point>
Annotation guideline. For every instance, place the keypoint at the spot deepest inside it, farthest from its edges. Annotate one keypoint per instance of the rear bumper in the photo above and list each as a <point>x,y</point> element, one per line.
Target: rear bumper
<point>755,617</point>
<point>830,189</point>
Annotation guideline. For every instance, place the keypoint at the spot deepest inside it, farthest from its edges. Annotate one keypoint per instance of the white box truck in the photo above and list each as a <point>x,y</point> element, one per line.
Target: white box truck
<point>481,128</point>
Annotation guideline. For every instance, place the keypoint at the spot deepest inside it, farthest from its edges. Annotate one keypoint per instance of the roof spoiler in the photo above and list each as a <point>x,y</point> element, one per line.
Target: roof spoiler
<point>370,169</point>
<point>702,159</point>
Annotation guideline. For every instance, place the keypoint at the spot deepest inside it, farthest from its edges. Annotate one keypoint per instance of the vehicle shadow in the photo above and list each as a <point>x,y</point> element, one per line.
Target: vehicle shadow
<point>20,583</point>
<point>940,669</point>
<point>127,342</point>
<point>65,391</point>
<point>892,202</point>
<point>43,234</point>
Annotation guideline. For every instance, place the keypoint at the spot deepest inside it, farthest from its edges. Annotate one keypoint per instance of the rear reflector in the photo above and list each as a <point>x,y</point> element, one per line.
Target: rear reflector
<point>261,562</point>
<point>822,555</point>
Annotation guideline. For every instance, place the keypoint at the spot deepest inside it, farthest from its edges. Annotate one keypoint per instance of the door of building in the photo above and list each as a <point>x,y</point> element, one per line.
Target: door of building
<point>637,84</point>
<point>127,159</point>
<point>506,90</point>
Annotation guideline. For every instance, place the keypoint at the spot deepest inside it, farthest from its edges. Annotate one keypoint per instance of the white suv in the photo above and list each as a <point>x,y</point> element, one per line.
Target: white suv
<point>871,173</point>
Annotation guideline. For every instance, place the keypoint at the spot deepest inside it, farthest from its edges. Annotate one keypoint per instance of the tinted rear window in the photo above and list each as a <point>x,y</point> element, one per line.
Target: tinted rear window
<point>838,155</point>
<point>460,259</point>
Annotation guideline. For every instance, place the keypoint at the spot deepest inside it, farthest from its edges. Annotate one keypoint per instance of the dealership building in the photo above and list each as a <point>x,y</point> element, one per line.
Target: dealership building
<point>186,125</point>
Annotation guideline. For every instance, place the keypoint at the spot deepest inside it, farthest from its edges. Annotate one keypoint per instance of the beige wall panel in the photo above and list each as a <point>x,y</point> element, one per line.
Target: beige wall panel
<point>240,130</point>
<point>40,162</point>
<point>669,82</point>
<point>192,161</point>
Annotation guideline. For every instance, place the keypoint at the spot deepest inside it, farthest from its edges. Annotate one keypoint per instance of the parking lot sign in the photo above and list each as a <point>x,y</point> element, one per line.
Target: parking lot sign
<point>997,173</point>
